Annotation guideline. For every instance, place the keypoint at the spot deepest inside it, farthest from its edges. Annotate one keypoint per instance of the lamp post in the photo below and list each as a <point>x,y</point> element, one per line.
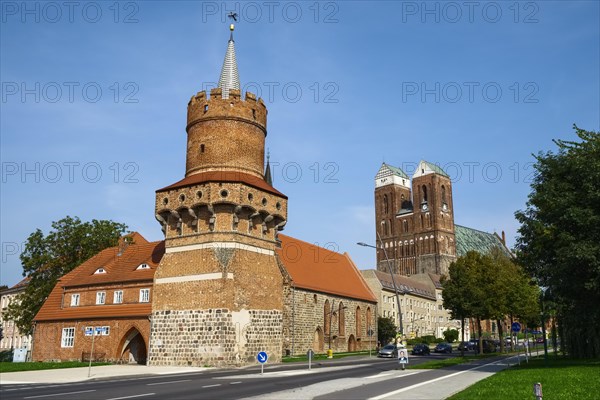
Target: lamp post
<point>543,290</point>
<point>400,325</point>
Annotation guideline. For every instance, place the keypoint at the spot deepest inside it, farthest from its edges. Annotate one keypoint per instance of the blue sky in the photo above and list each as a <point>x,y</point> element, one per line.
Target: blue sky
<point>94,97</point>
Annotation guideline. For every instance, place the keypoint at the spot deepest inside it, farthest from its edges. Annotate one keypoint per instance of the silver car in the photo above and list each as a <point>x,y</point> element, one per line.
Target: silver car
<point>389,351</point>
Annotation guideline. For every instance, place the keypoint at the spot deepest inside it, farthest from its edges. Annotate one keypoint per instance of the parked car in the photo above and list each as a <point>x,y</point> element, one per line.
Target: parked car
<point>489,346</point>
<point>389,351</point>
<point>443,348</point>
<point>467,346</point>
<point>421,349</point>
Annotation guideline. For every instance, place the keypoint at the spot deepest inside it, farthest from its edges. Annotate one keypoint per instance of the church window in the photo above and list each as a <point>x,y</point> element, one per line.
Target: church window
<point>327,317</point>
<point>385,204</point>
<point>201,148</point>
<point>405,225</point>
<point>443,194</point>
<point>342,324</point>
<point>424,190</point>
<point>358,323</point>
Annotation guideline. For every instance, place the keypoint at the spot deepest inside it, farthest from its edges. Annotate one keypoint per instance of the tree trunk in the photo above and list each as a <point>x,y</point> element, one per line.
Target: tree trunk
<point>462,328</point>
<point>501,334</point>
<point>480,344</point>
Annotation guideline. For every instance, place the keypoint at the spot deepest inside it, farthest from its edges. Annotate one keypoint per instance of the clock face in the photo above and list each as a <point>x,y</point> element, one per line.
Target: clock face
<point>424,207</point>
<point>444,207</point>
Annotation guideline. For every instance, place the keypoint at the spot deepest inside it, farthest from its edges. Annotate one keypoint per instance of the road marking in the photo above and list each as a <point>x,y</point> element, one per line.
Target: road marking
<point>131,397</point>
<point>207,386</point>
<point>58,394</point>
<point>383,396</point>
<point>235,383</point>
<point>377,376</point>
<point>166,383</point>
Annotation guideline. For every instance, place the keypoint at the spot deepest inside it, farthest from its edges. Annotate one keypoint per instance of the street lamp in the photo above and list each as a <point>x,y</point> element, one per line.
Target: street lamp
<point>543,290</point>
<point>400,325</point>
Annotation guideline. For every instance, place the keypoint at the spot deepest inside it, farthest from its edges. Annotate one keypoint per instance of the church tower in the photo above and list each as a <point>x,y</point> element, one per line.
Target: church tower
<point>414,220</point>
<point>433,219</point>
<point>218,291</point>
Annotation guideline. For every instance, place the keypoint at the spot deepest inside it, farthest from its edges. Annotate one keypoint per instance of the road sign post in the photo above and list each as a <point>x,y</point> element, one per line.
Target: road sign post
<point>262,358</point>
<point>402,358</point>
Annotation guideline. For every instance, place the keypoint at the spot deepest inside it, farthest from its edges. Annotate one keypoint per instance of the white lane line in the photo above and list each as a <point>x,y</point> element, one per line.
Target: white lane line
<point>235,383</point>
<point>207,386</point>
<point>167,382</point>
<point>131,397</point>
<point>58,394</point>
<point>383,396</point>
<point>376,376</point>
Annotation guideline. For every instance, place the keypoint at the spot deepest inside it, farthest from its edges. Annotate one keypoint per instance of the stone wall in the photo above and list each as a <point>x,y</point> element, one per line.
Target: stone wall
<point>214,337</point>
<point>306,325</point>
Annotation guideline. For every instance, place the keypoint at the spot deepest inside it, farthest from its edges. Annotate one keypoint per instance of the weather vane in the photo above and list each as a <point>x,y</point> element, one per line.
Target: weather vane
<point>233,16</point>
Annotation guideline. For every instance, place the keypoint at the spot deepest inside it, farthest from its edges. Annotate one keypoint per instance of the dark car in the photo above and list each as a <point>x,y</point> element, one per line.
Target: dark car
<point>443,348</point>
<point>466,346</point>
<point>421,349</point>
<point>489,346</point>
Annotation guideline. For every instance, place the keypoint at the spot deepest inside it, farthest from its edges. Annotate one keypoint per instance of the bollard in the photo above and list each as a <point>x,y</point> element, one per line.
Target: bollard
<point>329,353</point>
<point>537,391</point>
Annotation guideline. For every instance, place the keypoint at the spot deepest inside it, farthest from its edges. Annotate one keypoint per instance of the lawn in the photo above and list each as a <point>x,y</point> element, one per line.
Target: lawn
<point>562,379</point>
<point>319,357</point>
<point>34,366</point>
<point>435,364</point>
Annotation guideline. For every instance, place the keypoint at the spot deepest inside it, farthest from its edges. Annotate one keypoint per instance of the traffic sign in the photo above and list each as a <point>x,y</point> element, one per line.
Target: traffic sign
<point>262,357</point>
<point>515,327</point>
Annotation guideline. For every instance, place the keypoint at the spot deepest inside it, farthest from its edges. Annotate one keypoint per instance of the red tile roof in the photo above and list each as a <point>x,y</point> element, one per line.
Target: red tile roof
<point>119,268</point>
<point>316,268</point>
<point>224,176</point>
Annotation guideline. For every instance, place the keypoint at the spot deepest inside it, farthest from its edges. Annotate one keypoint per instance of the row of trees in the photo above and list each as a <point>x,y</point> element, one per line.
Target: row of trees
<point>490,287</point>
<point>559,239</point>
<point>46,258</point>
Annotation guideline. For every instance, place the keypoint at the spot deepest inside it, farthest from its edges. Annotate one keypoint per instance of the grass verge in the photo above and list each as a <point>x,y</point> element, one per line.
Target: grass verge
<point>35,366</point>
<point>562,379</point>
<point>318,357</point>
<point>436,364</point>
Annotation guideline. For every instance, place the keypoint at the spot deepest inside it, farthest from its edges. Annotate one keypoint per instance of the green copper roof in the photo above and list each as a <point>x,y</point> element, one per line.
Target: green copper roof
<point>468,239</point>
<point>436,169</point>
<point>396,171</point>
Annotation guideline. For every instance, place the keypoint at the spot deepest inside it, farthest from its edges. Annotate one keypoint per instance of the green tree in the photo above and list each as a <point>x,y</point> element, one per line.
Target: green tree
<point>559,238</point>
<point>450,335</point>
<point>386,330</point>
<point>46,258</point>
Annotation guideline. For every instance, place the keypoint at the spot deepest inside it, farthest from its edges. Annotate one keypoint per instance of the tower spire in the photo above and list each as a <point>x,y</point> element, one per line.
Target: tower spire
<point>268,177</point>
<point>229,78</point>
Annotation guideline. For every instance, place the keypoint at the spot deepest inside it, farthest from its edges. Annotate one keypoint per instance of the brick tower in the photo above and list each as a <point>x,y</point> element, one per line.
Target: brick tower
<point>416,226</point>
<point>218,291</point>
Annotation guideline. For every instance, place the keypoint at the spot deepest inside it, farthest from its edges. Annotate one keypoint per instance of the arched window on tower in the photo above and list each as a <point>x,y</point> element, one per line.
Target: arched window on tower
<point>405,225</point>
<point>444,195</point>
<point>424,193</point>
<point>386,206</point>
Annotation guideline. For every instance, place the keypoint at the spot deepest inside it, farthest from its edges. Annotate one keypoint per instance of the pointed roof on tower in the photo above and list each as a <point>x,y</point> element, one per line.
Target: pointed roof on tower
<point>229,78</point>
<point>268,177</point>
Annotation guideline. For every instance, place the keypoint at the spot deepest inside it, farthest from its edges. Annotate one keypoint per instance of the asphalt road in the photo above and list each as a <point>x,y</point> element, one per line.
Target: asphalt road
<point>233,384</point>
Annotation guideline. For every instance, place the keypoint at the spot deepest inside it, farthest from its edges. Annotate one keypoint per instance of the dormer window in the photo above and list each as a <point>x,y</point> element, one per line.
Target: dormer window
<point>143,266</point>
<point>100,271</point>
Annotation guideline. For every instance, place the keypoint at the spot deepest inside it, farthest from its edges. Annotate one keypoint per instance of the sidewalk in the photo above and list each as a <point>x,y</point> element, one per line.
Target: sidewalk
<point>69,375</point>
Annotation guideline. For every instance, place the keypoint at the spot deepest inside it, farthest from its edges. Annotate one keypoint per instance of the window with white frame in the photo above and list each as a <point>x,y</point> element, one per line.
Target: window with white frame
<point>74,299</point>
<point>100,297</point>
<point>118,297</point>
<point>68,337</point>
<point>144,295</point>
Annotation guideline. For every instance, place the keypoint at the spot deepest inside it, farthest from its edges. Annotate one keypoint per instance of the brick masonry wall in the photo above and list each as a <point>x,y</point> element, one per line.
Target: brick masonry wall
<point>304,323</point>
<point>214,337</point>
<point>47,339</point>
